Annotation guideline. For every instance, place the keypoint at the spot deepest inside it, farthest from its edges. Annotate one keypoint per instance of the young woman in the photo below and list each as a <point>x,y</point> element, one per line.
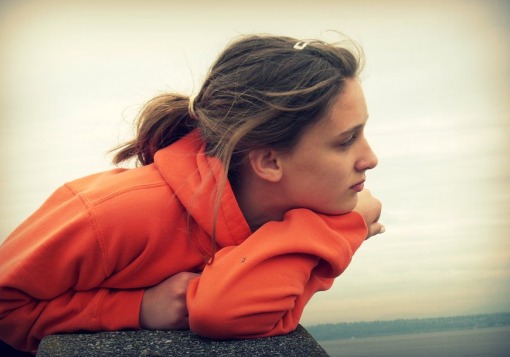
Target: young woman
<point>247,199</point>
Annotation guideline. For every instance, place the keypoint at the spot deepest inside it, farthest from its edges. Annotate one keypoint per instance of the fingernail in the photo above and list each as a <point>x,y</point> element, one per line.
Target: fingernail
<point>382,230</point>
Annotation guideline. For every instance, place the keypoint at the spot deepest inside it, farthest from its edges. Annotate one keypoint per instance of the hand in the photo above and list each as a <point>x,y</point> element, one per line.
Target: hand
<point>370,208</point>
<point>164,305</point>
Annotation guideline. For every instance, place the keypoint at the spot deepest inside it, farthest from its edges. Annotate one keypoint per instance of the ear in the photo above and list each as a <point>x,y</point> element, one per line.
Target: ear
<point>266,164</point>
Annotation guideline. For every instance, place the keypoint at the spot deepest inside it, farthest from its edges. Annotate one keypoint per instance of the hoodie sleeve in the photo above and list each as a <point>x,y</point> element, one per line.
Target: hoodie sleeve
<point>50,270</point>
<point>261,287</point>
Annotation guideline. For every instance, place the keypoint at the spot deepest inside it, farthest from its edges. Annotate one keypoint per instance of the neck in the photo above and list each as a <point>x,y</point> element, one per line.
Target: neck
<point>256,200</point>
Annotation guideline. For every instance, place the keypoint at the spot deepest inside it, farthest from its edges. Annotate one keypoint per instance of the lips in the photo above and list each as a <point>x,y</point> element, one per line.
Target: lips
<point>359,186</point>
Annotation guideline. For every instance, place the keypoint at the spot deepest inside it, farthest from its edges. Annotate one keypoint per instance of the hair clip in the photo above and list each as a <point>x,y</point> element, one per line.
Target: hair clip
<point>300,45</point>
<point>191,107</point>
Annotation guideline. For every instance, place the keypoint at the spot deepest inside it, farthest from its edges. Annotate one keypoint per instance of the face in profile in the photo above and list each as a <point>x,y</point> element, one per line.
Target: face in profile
<point>326,169</point>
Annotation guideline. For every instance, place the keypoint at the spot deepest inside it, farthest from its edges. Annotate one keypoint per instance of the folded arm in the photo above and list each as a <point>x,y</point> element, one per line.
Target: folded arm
<point>260,287</point>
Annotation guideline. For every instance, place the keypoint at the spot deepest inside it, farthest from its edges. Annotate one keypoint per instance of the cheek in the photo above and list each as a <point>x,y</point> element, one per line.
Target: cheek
<point>320,172</point>
<point>336,172</point>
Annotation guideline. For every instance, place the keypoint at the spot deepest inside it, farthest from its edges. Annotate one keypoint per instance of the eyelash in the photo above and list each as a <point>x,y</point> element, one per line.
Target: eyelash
<point>350,141</point>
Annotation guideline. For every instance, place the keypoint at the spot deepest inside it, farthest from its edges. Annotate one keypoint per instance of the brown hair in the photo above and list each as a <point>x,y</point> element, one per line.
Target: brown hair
<point>262,91</point>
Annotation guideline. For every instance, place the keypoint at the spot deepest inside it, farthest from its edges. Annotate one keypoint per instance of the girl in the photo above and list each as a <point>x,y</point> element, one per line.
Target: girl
<point>247,199</point>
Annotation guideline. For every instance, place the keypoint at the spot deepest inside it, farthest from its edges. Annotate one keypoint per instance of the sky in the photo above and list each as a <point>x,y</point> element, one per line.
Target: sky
<point>437,81</point>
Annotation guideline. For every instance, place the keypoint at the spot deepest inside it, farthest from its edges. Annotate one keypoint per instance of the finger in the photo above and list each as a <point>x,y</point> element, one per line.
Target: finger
<point>187,276</point>
<point>182,323</point>
<point>375,228</point>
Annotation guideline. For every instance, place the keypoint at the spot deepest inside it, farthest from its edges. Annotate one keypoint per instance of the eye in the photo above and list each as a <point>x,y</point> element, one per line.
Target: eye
<point>349,141</point>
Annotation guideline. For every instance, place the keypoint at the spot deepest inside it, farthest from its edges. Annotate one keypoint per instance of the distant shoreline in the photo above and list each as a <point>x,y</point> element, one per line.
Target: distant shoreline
<point>352,330</point>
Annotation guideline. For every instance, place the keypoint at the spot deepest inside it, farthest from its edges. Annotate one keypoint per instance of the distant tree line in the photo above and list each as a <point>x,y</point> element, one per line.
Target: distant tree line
<point>348,330</point>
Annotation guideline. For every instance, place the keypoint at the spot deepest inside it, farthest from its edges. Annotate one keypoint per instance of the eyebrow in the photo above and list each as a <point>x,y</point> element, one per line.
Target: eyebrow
<point>351,131</point>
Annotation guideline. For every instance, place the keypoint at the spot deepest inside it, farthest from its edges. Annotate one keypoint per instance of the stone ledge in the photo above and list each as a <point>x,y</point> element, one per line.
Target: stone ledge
<point>147,343</point>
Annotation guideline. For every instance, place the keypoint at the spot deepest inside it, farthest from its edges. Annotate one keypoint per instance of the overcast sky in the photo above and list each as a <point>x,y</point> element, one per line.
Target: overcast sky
<point>437,82</point>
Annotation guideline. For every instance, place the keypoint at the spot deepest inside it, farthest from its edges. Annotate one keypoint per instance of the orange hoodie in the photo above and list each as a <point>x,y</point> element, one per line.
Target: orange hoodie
<point>83,260</point>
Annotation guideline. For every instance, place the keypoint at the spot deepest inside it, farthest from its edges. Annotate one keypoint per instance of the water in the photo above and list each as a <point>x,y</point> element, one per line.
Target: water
<point>485,342</point>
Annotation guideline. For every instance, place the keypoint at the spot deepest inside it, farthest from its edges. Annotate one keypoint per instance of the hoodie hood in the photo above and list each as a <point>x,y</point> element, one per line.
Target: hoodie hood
<point>194,177</point>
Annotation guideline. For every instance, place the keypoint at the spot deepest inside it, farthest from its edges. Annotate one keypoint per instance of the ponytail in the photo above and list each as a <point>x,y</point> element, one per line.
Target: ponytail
<point>162,121</point>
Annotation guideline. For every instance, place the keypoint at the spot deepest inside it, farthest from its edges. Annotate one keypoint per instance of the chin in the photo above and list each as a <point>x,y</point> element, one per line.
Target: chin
<point>338,210</point>
<point>346,207</point>
<point>332,209</point>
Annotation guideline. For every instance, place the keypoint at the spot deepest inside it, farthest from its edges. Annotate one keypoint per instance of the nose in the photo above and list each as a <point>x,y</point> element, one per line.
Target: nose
<point>367,159</point>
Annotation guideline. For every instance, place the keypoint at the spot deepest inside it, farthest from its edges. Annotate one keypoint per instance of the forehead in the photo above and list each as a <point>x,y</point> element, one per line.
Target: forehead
<point>349,109</point>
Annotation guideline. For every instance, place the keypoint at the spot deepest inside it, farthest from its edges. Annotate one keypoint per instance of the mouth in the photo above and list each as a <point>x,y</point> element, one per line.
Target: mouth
<point>358,187</point>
